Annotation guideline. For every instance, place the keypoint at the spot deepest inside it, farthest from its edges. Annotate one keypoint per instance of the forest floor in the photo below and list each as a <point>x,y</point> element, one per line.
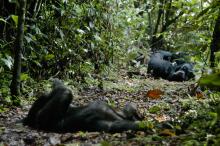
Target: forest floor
<point>177,115</point>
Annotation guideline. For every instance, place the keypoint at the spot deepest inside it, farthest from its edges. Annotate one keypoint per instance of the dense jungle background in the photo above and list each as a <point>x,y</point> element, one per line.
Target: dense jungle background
<point>101,50</point>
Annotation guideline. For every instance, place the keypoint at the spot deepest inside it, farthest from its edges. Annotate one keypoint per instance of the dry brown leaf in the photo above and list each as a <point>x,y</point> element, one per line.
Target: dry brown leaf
<point>161,118</point>
<point>155,93</point>
<point>199,95</point>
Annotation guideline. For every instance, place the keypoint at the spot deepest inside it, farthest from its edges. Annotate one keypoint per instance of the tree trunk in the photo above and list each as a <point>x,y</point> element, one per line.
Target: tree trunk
<point>156,42</point>
<point>15,84</point>
<point>165,18</point>
<point>215,44</point>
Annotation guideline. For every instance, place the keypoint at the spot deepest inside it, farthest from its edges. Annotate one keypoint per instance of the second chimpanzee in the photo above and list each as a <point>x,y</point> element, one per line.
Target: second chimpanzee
<point>160,66</point>
<point>168,66</point>
<point>54,112</point>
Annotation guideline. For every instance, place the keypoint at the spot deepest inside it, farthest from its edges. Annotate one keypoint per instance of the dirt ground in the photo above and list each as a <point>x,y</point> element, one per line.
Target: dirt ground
<point>163,106</point>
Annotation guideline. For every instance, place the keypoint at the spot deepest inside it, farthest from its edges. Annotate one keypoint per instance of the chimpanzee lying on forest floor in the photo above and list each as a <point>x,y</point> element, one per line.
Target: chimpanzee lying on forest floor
<point>170,66</point>
<point>53,112</point>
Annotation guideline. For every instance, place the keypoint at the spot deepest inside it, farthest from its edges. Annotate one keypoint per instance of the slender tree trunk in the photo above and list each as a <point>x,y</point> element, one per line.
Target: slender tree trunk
<point>15,84</point>
<point>215,44</point>
<point>157,42</point>
<point>165,18</point>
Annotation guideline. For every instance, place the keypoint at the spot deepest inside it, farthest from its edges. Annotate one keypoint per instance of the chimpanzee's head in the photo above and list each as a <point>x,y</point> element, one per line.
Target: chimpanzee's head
<point>188,69</point>
<point>178,76</point>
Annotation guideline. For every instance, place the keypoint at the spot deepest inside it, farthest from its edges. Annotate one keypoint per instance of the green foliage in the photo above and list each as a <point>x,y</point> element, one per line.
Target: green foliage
<point>3,20</point>
<point>104,33</point>
<point>155,109</point>
<point>12,1</point>
<point>188,103</point>
<point>82,38</point>
<point>70,41</point>
<point>86,33</point>
<point>146,125</point>
<point>15,19</point>
<point>191,142</point>
<point>159,107</point>
<point>211,81</point>
<point>105,143</point>
<point>7,61</point>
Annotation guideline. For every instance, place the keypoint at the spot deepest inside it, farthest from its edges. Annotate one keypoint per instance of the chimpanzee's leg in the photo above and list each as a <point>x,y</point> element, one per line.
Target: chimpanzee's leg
<point>103,111</point>
<point>112,126</point>
<point>123,125</point>
<point>115,126</point>
<point>98,116</point>
<point>30,120</point>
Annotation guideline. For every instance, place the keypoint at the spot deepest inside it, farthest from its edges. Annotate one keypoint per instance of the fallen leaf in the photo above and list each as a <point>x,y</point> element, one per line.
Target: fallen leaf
<point>155,93</point>
<point>161,118</point>
<point>199,95</point>
<point>167,132</point>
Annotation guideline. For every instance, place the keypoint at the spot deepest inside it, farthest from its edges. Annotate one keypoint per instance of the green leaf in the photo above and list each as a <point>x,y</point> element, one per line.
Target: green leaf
<point>146,124</point>
<point>154,109</point>
<point>49,57</point>
<point>97,37</point>
<point>15,19</point>
<point>60,32</point>
<point>28,39</point>
<point>37,63</point>
<point>24,76</point>
<point>8,61</point>
<point>105,143</point>
<point>210,81</point>
<point>81,31</point>
<point>12,1</point>
<point>214,118</point>
<point>1,19</point>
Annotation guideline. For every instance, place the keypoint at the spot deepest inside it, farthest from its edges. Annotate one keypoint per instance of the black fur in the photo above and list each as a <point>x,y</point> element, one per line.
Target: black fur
<point>53,112</point>
<point>169,66</point>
